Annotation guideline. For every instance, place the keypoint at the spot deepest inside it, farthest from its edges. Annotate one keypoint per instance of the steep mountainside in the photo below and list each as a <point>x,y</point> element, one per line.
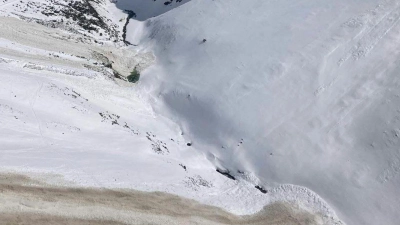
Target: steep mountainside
<point>299,92</point>
<point>239,103</point>
<point>67,109</point>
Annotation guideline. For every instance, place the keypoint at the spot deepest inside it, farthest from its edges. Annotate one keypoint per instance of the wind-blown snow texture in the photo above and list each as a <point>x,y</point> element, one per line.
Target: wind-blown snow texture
<point>299,92</point>
<point>294,97</point>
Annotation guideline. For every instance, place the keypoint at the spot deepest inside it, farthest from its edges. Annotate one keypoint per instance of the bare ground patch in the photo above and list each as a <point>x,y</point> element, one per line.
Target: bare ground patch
<point>26,201</point>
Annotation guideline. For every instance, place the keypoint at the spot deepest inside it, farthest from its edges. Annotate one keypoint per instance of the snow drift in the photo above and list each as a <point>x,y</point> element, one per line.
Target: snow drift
<point>298,92</point>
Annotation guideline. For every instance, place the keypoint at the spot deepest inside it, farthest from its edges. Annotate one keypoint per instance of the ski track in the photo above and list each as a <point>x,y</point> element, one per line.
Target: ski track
<point>34,112</point>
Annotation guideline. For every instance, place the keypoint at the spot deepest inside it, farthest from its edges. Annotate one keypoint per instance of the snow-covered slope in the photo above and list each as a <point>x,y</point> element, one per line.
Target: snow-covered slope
<point>288,100</point>
<point>94,18</point>
<point>60,117</point>
<point>65,111</point>
<point>298,92</point>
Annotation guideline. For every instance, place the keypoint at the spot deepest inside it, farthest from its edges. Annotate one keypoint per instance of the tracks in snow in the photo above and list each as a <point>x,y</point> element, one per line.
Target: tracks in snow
<point>32,106</point>
<point>375,33</point>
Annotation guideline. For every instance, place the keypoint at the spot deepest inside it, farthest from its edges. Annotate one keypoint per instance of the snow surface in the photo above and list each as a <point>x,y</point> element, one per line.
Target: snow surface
<point>299,97</point>
<point>297,92</point>
<point>51,124</point>
<point>59,117</point>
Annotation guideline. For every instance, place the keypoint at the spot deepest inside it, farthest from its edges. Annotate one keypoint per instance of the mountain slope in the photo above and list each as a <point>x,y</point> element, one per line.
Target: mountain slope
<point>299,92</point>
<point>66,110</point>
<point>240,103</point>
